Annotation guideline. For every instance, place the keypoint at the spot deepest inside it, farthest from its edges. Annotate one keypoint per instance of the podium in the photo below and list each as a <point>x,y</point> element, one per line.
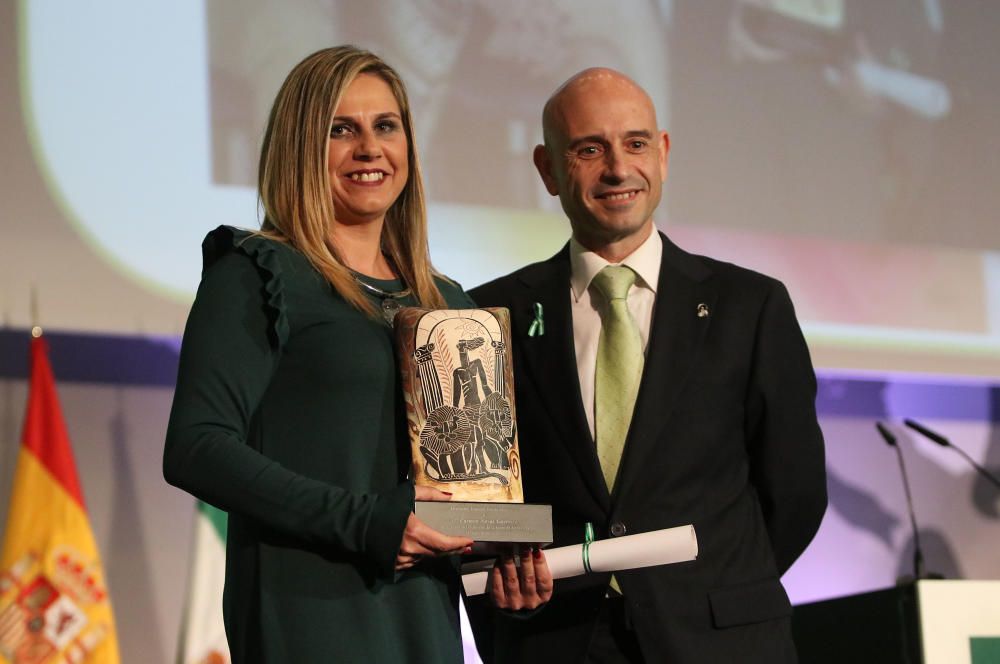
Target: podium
<point>922,622</point>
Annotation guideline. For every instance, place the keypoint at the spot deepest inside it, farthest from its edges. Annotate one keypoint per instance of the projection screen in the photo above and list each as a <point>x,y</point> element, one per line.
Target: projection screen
<point>848,148</point>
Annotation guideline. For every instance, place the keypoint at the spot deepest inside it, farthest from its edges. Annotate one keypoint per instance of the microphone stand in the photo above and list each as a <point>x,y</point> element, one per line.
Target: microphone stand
<point>918,555</point>
<point>944,442</point>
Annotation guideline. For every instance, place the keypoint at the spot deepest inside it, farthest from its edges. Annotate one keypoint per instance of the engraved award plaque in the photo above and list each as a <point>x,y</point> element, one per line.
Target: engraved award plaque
<point>458,384</point>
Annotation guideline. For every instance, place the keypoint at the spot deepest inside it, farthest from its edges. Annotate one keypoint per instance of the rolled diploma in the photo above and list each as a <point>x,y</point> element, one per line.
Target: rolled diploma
<point>658,547</point>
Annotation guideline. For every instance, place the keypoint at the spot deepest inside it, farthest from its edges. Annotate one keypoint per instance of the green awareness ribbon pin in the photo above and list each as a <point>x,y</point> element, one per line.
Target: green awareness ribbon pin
<point>537,327</point>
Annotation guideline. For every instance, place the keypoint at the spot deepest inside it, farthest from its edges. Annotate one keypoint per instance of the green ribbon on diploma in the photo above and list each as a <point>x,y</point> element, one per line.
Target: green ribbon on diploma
<point>588,537</point>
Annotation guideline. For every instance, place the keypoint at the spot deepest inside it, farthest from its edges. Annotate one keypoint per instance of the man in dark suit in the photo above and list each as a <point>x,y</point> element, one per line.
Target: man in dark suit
<point>666,389</point>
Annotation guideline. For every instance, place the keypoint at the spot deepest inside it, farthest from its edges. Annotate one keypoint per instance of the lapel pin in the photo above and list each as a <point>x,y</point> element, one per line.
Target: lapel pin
<point>537,327</point>
<point>702,310</point>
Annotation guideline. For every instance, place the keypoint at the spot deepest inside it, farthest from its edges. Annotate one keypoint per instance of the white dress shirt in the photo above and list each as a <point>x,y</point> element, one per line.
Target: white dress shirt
<point>586,303</point>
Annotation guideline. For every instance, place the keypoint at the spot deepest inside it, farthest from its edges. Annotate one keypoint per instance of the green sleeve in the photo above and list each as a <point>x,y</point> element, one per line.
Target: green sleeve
<point>227,359</point>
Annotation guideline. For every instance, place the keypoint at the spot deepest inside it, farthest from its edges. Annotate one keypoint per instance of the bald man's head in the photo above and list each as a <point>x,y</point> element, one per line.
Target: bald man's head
<point>595,82</point>
<point>604,157</point>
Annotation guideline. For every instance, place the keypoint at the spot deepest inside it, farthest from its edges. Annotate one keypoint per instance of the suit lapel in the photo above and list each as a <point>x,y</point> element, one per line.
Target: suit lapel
<point>550,363</point>
<point>675,339</point>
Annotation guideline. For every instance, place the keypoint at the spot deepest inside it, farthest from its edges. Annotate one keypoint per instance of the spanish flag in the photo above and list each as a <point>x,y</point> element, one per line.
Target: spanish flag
<point>54,604</point>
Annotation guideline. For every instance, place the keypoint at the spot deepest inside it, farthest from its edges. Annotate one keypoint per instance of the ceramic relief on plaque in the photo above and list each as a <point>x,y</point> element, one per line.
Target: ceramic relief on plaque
<point>458,387</point>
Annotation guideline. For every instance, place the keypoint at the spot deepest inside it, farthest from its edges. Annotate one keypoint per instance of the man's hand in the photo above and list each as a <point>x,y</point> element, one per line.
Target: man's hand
<point>421,541</point>
<point>527,586</point>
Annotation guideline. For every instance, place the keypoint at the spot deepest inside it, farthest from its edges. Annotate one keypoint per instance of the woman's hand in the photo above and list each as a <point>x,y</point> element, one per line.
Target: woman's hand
<point>527,586</point>
<point>421,541</point>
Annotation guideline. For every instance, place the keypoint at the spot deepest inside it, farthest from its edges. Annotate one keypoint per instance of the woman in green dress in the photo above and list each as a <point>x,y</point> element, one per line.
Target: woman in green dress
<point>288,413</point>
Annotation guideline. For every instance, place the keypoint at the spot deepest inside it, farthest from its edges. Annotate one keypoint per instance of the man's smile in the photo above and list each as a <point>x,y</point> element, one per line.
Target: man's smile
<point>618,196</point>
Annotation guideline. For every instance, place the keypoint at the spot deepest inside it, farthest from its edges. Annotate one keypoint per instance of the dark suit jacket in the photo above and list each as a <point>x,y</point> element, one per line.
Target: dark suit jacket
<point>724,436</point>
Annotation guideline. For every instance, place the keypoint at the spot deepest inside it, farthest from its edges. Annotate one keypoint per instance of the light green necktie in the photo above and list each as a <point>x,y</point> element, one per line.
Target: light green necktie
<point>619,368</point>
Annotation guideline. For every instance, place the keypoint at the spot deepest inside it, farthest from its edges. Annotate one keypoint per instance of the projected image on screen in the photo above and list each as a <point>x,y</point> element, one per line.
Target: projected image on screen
<point>852,120</point>
<point>477,74</point>
<point>845,147</point>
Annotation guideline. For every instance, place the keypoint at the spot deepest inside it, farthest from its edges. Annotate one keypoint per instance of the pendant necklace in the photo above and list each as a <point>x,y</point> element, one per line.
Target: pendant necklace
<point>390,301</point>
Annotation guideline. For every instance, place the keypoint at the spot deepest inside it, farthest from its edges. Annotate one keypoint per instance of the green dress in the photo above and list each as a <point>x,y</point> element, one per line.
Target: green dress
<point>288,415</point>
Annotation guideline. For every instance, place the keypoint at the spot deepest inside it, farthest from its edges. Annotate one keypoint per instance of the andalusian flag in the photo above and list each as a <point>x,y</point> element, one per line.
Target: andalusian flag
<point>54,604</point>
<point>203,634</point>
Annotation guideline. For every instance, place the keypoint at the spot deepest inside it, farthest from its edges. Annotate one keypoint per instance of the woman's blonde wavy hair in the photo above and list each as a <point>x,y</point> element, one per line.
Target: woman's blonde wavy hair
<point>294,183</point>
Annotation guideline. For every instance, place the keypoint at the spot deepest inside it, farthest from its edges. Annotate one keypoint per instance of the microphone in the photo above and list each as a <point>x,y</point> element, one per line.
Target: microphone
<point>944,442</point>
<point>918,554</point>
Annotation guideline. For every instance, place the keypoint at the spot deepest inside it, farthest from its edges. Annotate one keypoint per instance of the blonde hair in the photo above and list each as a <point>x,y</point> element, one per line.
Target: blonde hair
<point>294,183</point>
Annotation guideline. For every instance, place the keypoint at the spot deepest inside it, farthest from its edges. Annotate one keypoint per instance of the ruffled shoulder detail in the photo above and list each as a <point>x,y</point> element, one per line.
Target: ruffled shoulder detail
<point>226,239</point>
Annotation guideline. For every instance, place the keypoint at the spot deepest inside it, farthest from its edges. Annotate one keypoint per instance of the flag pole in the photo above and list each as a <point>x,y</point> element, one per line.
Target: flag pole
<point>36,329</point>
